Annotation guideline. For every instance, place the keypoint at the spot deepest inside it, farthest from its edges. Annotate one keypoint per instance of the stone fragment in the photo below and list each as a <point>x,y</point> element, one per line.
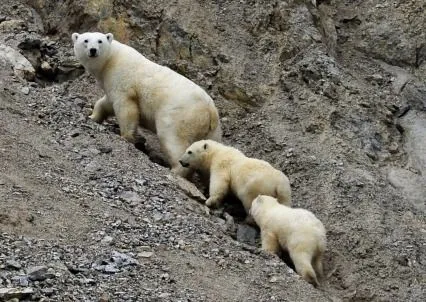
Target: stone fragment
<point>21,66</point>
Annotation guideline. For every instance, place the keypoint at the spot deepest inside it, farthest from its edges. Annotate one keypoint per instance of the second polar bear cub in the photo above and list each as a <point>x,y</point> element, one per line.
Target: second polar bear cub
<point>231,170</point>
<point>141,92</point>
<point>296,230</point>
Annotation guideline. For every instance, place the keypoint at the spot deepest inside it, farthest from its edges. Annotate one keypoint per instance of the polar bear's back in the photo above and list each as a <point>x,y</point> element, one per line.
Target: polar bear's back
<point>154,79</point>
<point>296,226</point>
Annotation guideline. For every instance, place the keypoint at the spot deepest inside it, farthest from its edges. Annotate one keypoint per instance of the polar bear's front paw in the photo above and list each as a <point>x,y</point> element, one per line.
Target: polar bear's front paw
<point>95,118</point>
<point>211,202</point>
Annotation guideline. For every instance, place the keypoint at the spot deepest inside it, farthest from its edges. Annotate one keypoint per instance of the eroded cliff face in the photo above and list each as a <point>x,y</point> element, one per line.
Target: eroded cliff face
<point>332,94</point>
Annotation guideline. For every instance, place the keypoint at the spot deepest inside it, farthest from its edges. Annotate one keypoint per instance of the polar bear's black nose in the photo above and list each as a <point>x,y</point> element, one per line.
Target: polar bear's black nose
<point>184,164</point>
<point>93,52</point>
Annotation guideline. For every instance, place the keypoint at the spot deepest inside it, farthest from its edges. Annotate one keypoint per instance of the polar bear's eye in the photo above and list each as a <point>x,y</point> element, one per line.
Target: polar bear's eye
<point>100,41</point>
<point>86,41</point>
<point>189,152</point>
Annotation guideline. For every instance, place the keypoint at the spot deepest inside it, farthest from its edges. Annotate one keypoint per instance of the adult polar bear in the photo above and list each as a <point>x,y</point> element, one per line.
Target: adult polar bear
<point>141,92</point>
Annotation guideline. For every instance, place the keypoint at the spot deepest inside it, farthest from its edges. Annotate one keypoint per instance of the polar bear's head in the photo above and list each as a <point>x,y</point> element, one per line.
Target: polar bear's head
<point>91,46</point>
<point>262,203</point>
<point>196,154</point>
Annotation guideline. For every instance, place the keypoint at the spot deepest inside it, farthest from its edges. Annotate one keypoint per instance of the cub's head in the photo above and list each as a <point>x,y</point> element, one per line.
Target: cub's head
<point>261,203</point>
<point>91,46</point>
<point>196,154</point>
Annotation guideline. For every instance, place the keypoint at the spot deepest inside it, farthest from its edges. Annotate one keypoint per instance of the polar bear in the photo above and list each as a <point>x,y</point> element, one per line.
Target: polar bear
<point>231,170</point>
<point>296,230</point>
<point>141,92</point>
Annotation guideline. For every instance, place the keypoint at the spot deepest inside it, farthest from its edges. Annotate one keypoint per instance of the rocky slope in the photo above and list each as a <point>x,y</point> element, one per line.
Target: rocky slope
<point>332,94</point>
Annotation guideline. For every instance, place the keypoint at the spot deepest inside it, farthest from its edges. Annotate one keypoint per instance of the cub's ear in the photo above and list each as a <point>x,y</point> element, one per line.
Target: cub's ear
<point>205,146</point>
<point>110,37</point>
<point>74,37</point>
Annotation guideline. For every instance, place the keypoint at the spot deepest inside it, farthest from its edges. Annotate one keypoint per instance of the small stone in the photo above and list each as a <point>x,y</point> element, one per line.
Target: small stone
<point>187,187</point>
<point>275,279</point>
<point>46,67</point>
<point>47,291</point>
<point>21,66</point>
<point>25,90</point>
<point>122,259</point>
<point>107,240</point>
<point>393,148</point>
<point>74,133</point>
<point>21,280</point>
<point>157,217</point>
<point>37,273</point>
<point>11,25</point>
<point>11,293</point>
<point>131,197</point>
<point>230,224</point>
<point>104,297</point>
<point>246,234</point>
<point>12,264</point>
<point>88,281</point>
<point>165,276</point>
<point>105,149</point>
<point>110,269</point>
<point>163,295</point>
<point>145,254</point>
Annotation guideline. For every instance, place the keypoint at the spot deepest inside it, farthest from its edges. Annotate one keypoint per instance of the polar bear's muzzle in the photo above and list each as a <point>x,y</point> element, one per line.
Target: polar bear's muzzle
<point>93,52</point>
<point>185,165</point>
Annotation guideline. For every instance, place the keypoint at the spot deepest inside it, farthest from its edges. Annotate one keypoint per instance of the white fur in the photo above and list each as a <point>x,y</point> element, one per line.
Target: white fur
<point>296,230</point>
<point>138,91</point>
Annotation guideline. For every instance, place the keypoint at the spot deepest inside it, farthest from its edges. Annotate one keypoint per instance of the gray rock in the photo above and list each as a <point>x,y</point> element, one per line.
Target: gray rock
<point>107,240</point>
<point>21,280</point>
<point>187,187</point>
<point>25,90</point>
<point>11,25</point>
<point>229,222</point>
<point>414,124</point>
<point>246,234</point>
<point>131,197</point>
<point>48,291</point>
<point>13,264</point>
<point>39,273</point>
<point>110,269</point>
<point>145,254</point>
<point>11,293</point>
<point>122,259</point>
<point>21,66</point>
<point>412,185</point>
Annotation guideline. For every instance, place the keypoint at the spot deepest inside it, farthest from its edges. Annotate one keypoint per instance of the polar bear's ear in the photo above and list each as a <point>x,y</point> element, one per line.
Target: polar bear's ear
<point>109,36</point>
<point>205,146</point>
<point>74,37</point>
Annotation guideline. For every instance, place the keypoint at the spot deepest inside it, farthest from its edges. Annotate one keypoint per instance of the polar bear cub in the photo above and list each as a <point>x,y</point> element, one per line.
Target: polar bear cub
<point>296,230</point>
<point>141,92</point>
<point>231,170</point>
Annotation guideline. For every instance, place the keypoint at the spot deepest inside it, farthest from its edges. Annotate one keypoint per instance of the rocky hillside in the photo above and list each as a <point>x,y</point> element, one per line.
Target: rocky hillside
<point>331,92</point>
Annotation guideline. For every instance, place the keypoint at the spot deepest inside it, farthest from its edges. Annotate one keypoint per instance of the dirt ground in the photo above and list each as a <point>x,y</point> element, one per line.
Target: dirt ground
<point>334,95</point>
